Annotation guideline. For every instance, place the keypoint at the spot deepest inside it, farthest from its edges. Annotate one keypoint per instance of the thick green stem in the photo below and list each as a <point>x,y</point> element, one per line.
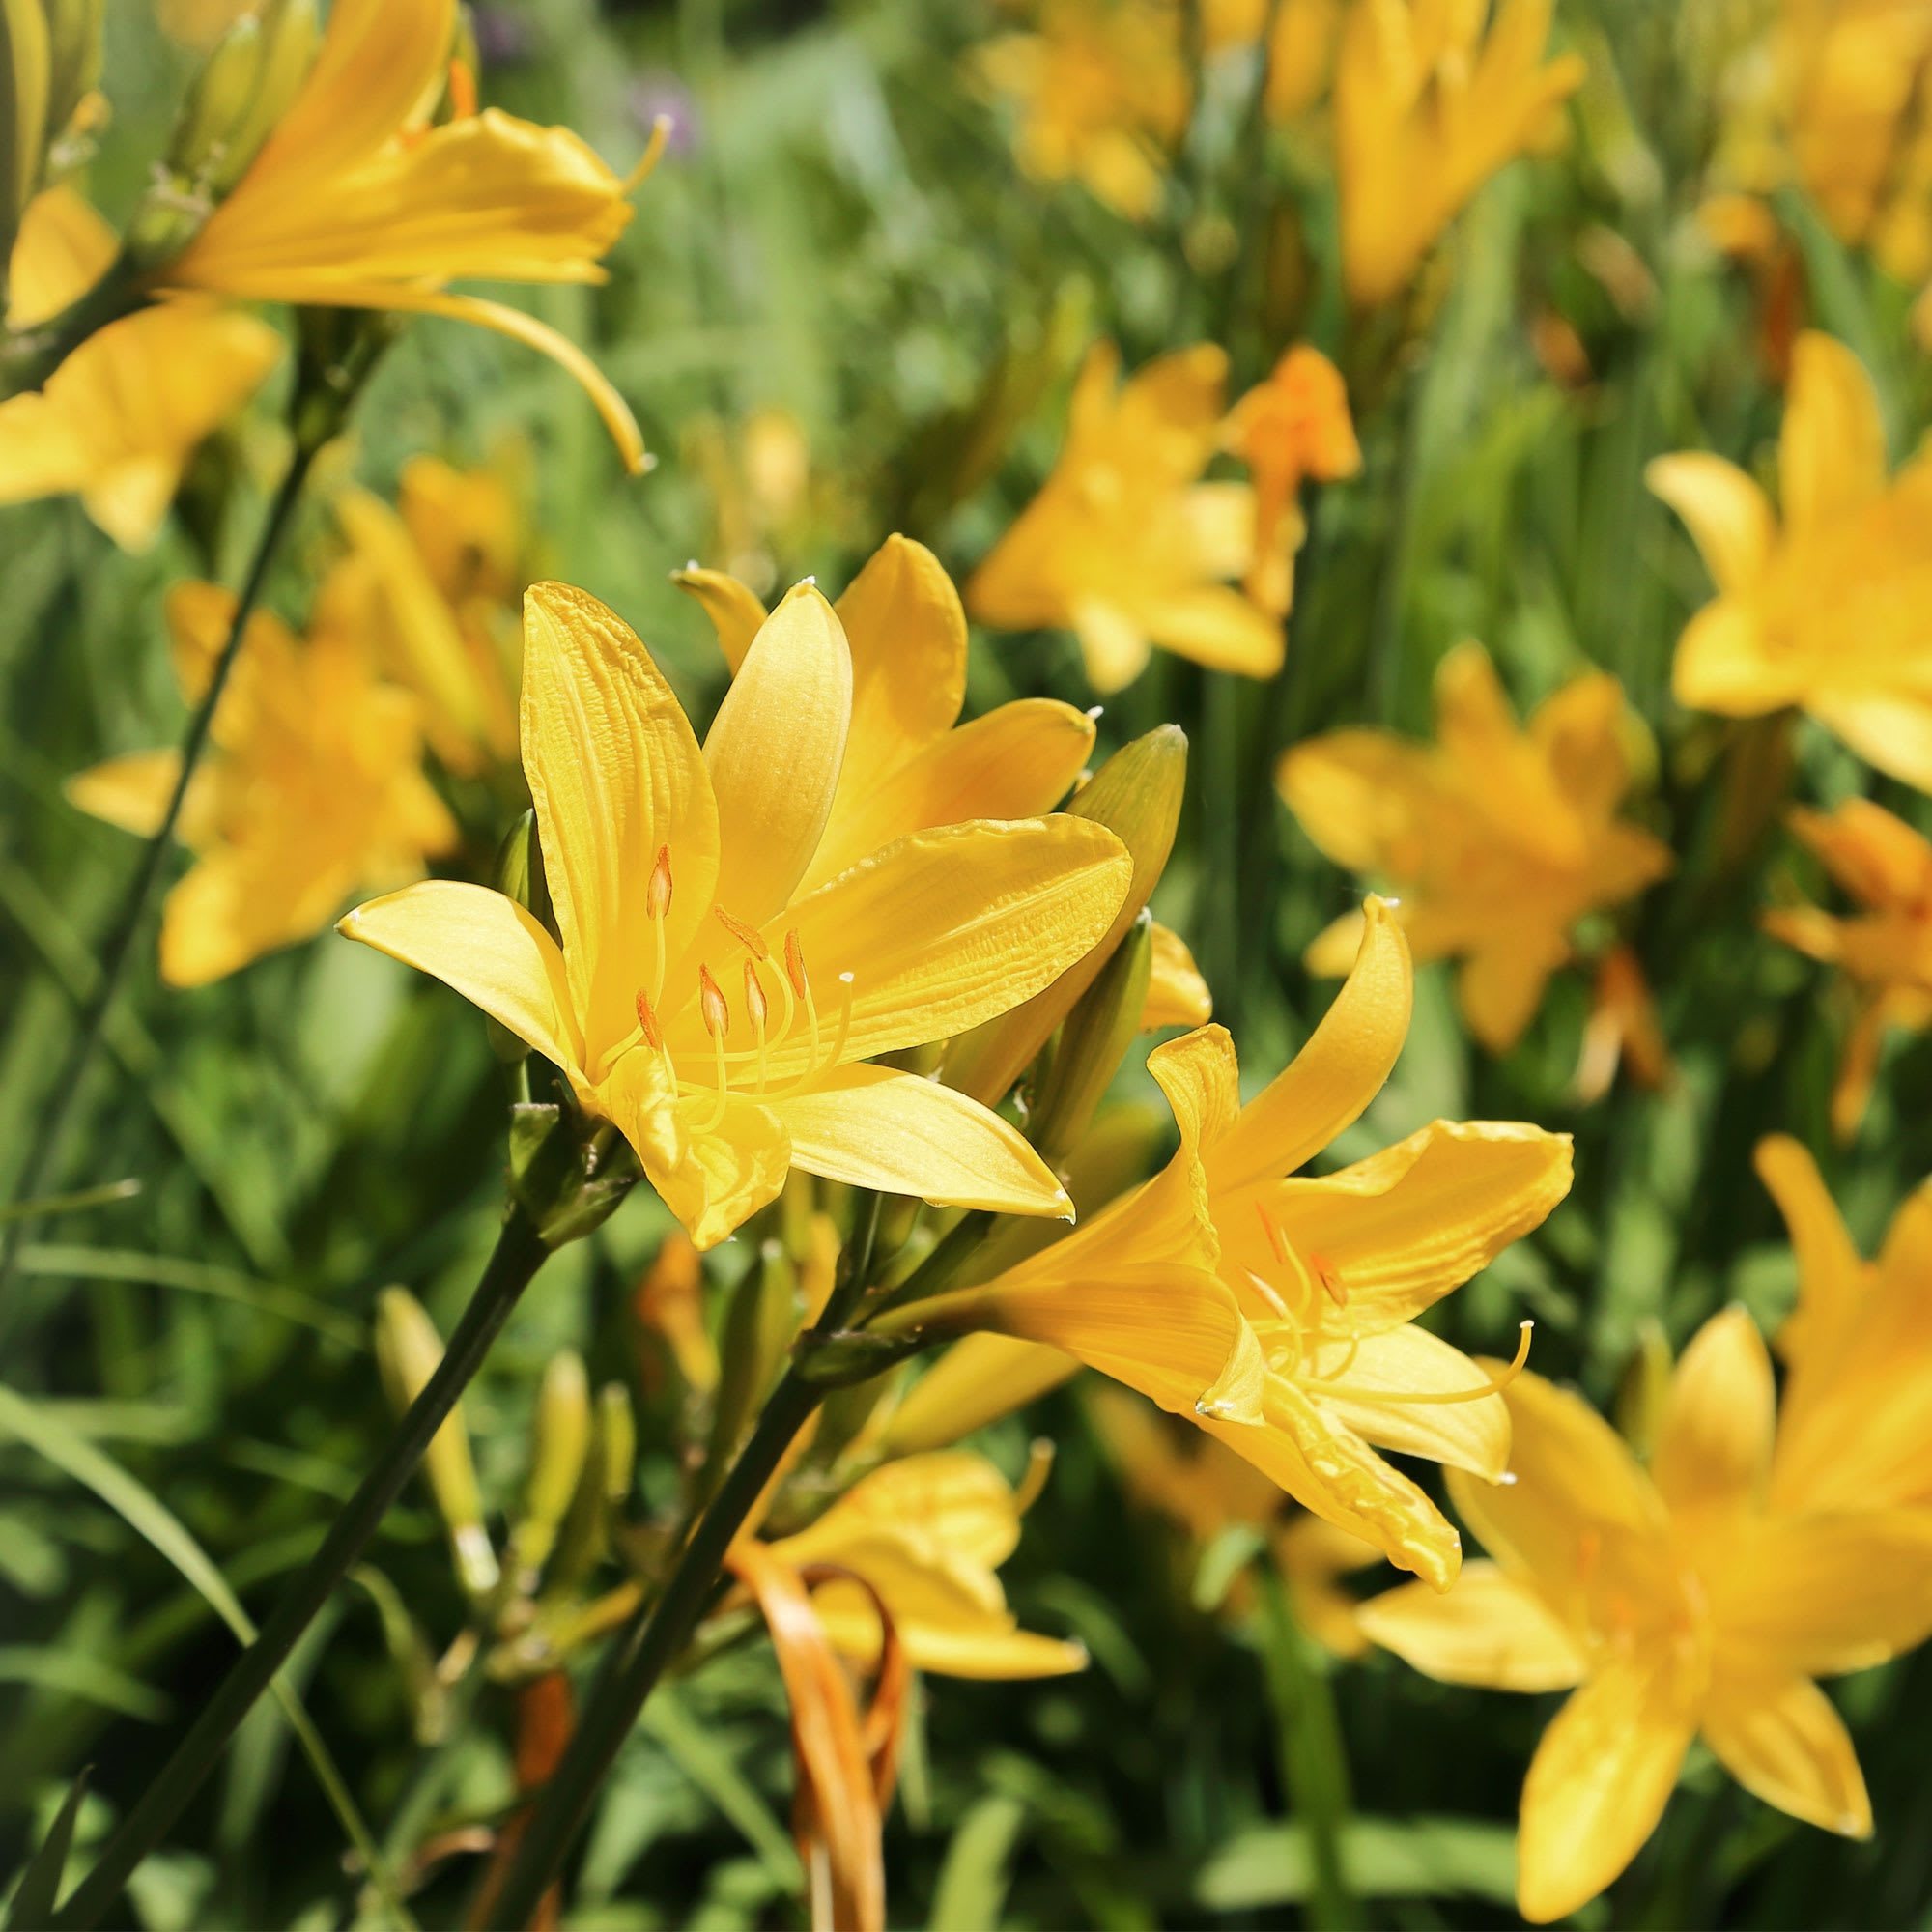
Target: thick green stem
<point>139,894</point>
<point>519,1253</point>
<point>1314,1766</point>
<point>654,1637</point>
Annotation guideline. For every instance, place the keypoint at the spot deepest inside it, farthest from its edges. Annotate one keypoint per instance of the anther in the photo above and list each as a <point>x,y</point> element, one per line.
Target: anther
<point>711,1003</point>
<point>795,964</point>
<point>1271,1228</point>
<point>743,934</point>
<point>754,999</point>
<point>657,899</point>
<point>1329,1276</point>
<point>648,1021</point>
<point>462,91</point>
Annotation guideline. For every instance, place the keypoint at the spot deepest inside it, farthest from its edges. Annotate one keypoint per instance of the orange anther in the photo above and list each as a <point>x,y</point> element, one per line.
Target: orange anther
<point>648,1021</point>
<point>1329,1276</point>
<point>711,1003</point>
<point>1277,1240</point>
<point>743,934</point>
<point>754,999</point>
<point>657,899</point>
<point>461,89</point>
<point>795,963</point>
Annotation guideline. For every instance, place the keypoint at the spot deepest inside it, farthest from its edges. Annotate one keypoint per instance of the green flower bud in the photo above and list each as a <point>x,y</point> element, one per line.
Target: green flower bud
<point>290,36</point>
<point>1136,795</point>
<point>244,89</point>
<point>408,1350</point>
<point>559,1442</point>
<point>25,81</point>
<point>1093,1042</point>
<point>617,1442</point>
<point>73,65</point>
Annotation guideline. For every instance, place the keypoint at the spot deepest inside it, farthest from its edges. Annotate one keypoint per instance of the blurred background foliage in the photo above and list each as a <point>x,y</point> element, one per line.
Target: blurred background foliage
<point>841,311</point>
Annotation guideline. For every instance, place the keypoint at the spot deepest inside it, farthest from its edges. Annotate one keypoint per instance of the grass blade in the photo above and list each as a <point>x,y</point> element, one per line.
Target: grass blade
<point>39,1890</point>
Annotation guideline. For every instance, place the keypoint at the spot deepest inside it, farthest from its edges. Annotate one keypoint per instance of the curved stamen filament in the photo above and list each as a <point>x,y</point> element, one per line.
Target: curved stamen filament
<point>717,1023</point>
<point>755,1007</point>
<point>656,908</point>
<point>1493,1386</point>
<point>817,1070</point>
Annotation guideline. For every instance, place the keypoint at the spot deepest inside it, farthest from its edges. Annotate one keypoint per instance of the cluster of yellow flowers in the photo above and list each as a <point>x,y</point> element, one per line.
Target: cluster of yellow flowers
<point>845,936</point>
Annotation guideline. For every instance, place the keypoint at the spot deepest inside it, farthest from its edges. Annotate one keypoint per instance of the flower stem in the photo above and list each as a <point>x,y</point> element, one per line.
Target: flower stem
<point>1314,1766</point>
<point>653,1638</point>
<point>140,891</point>
<point>517,1255</point>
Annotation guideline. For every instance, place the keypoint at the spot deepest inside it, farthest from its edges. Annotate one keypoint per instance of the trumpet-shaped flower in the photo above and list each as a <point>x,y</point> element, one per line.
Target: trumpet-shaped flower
<point>1828,608</point>
<point>1498,838</point>
<point>1885,950</point>
<point>1296,424</point>
<point>693,994</point>
<point>359,201</point>
<point>1854,1432</point>
<point>1431,100</point>
<point>1124,545</point>
<point>1102,95</point>
<point>119,420</point>
<point>1300,50</point>
<point>908,765</point>
<point>1276,1309</point>
<point>924,1537</point>
<point>1675,1603</point>
<point>317,790</point>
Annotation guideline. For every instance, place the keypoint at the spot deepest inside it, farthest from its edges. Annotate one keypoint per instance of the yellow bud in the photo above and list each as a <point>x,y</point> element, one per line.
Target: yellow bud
<point>617,1441</point>
<point>1093,1042</point>
<point>218,100</point>
<point>1644,1393</point>
<point>408,1350</point>
<point>559,1442</point>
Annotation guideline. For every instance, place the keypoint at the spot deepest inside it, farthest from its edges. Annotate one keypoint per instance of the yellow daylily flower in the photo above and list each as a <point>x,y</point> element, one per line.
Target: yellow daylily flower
<point>1296,424</point>
<point>1431,100</point>
<point>1276,1310</point>
<point>675,874</point>
<point>118,421</point>
<point>1124,545</point>
<point>357,201</point>
<point>316,790</point>
<point>1885,950</point>
<point>927,1535</point>
<point>1830,607</point>
<point>1675,1603</point>
<point>1854,1431</point>
<point>439,643</point>
<point>1300,45</point>
<point>1499,839</point>
<point>1210,1488</point>
<point>1177,994</point>
<point>1102,93</point>
<point>908,765</point>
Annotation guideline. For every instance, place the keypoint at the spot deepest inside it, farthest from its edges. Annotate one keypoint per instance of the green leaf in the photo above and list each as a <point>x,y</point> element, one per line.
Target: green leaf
<point>1383,1858</point>
<point>70,1204</point>
<point>39,1890</point>
<point>697,1756</point>
<point>972,1890</point>
<point>74,1674</point>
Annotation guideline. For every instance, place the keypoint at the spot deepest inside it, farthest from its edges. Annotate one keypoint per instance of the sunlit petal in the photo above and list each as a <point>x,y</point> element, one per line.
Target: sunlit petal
<point>1490,1630</point>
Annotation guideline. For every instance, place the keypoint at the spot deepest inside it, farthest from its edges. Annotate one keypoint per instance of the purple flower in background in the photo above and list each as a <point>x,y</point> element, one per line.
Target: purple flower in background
<point>658,91</point>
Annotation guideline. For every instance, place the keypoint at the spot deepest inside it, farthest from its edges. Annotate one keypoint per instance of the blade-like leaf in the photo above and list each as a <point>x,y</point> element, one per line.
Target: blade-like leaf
<point>39,1890</point>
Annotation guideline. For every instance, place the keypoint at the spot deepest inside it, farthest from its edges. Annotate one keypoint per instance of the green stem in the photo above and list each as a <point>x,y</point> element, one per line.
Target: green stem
<point>651,1641</point>
<point>134,902</point>
<point>1314,1765</point>
<point>29,356</point>
<point>519,1253</point>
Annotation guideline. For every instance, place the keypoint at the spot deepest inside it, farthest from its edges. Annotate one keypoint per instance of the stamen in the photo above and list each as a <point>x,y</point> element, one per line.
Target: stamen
<point>756,1007</point>
<point>1329,1276</point>
<point>657,907</point>
<point>1268,1295</point>
<point>462,91</point>
<point>717,1023</point>
<point>743,934</point>
<point>816,1069</point>
<point>801,984</point>
<point>1271,1228</point>
<point>1493,1386</point>
<point>653,154</point>
<point>648,1021</point>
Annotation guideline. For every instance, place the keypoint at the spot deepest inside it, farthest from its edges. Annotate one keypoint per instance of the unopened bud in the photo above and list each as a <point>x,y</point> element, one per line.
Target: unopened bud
<point>1644,1393</point>
<point>243,89</point>
<point>617,1442</point>
<point>1136,795</point>
<point>289,37</point>
<point>407,1350</point>
<point>559,1442</point>
<point>73,60</point>
<point>25,78</point>
<point>1093,1042</point>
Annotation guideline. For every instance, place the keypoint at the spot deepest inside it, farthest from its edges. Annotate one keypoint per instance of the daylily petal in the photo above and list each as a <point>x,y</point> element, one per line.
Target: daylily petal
<point>947,927</point>
<point>872,1127</point>
<point>1017,761</point>
<point>1891,731</point>
<point>1358,794</point>
<point>1832,1273</point>
<point>62,250</point>
<point>1784,1741</point>
<point>1399,1230</point>
<point>1216,627</point>
<point>1490,1630</point>
<point>774,753</point>
<point>1575,1480</point>
<point>1830,453</point>
<point>1597,1786</point>
<point>1177,994</point>
<point>130,792</point>
<point>1500,987</point>
<point>1326,1085</point>
<point>1780,1604</point>
<point>908,636</point>
<point>951,1640</point>
<point>979,1379</point>
<point>1728,515</point>
<point>617,777</point>
<point>1722,663</point>
<point>1578,730</point>
<point>735,612</point>
<point>1714,1447</point>
<point>1472,1436</point>
<point>1115,645</point>
<point>486,947</point>
<point>715,1180</point>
